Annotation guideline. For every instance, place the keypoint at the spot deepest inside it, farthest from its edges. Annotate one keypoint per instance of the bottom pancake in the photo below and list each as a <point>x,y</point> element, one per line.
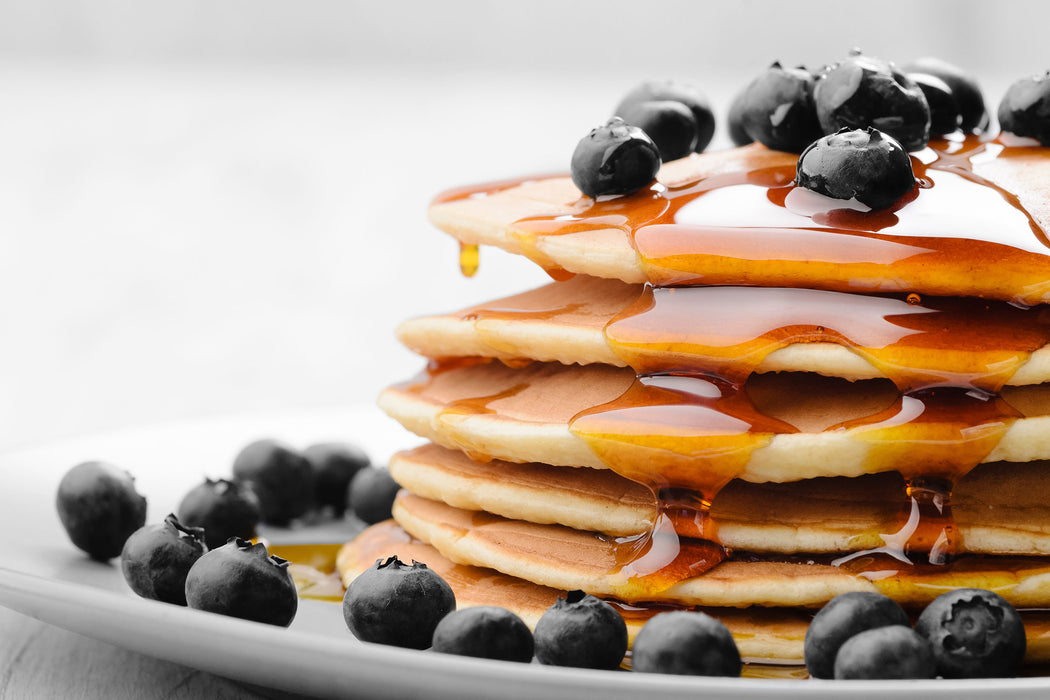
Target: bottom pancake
<point>761,633</point>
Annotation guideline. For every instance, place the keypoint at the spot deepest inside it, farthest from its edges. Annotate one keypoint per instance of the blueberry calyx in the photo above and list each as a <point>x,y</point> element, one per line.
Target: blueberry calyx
<point>184,531</point>
<point>615,158</point>
<point>974,633</point>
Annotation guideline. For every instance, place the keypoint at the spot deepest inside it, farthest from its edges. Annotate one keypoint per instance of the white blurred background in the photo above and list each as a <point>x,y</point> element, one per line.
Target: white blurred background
<point>211,207</point>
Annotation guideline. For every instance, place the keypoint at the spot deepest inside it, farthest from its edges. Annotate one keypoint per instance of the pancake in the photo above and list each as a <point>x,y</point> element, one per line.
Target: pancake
<point>816,426</point>
<point>999,508</point>
<point>737,331</point>
<point>981,243</point>
<point>761,634</point>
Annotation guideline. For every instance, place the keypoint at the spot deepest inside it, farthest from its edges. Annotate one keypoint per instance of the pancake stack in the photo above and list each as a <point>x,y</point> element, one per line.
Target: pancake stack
<point>739,397</point>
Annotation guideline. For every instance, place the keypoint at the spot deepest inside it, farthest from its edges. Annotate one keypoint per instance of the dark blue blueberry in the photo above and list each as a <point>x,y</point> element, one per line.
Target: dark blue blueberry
<point>944,112</point>
<point>371,494</point>
<point>670,125</point>
<point>157,558</point>
<point>486,632</point>
<point>684,93</point>
<point>398,604</point>
<point>334,465</point>
<point>685,643</point>
<point>223,508</point>
<point>894,651</point>
<point>1025,109</point>
<point>735,121</point>
<point>281,478</point>
<point>99,508</point>
<point>844,616</point>
<point>969,100</point>
<point>778,109</point>
<point>614,159</point>
<point>863,164</point>
<point>241,579</point>
<point>973,634</point>
<point>863,91</point>
<point>582,631</point>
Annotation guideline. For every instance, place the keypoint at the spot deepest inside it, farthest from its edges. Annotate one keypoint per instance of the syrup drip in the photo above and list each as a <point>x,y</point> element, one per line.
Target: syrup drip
<point>468,259</point>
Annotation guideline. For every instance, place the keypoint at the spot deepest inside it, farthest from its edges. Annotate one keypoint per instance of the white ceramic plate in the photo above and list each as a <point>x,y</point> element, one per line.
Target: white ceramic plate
<point>44,576</point>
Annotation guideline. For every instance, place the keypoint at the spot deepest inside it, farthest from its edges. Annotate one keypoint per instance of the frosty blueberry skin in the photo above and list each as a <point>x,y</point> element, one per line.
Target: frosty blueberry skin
<point>371,494</point>
<point>397,604</point>
<point>614,158</point>
<point>486,632</point>
<point>973,633</point>
<point>865,165</point>
<point>99,508</point>
<point>842,617</point>
<point>686,643</point>
<point>241,579</point>
<point>223,508</point>
<point>157,558</point>
<point>281,478</point>
<point>334,465</point>
<point>582,631</point>
<point>891,652</point>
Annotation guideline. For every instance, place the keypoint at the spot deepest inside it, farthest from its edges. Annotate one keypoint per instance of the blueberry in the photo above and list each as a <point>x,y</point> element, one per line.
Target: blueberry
<point>862,164</point>
<point>1025,109</point>
<point>99,508</point>
<point>241,579</point>
<point>685,643</point>
<point>676,91</point>
<point>778,109</point>
<point>973,116</point>
<point>669,124</point>
<point>844,616</point>
<point>156,559</point>
<point>582,631</point>
<point>894,651</point>
<point>863,91</point>
<point>974,634</point>
<point>398,604</point>
<point>223,508</point>
<point>372,492</point>
<point>944,113</point>
<point>281,478</point>
<point>735,121</point>
<point>614,159</point>
<point>486,632</point>
<point>334,464</point>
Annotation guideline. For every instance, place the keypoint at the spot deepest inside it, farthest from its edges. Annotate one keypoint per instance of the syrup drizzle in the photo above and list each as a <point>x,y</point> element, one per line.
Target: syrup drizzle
<point>685,428</point>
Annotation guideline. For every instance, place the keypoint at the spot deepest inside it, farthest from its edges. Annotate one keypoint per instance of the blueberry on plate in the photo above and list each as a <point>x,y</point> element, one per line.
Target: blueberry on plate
<point>99,508</point>
<point>735,121</point>
<point>683,93</point>
<point>842,617</point>
<point>1025,109</point>
<point>486,632</point>
<point>863,91</point>
<point>615,158</point>
<point>241,579</point>
<point>865,165</point>
<point>371,494</point>
<point>334,465</point>
<point>973,633</point>
<point>685,643</point>
<point>582,631</point>
<point>778,109</point>
<point>669,124</point>
<point>966,93</point>
<point>157,558</point>
<point>891,652</point>
<point>281,477</point>
<point>398,604</point>
<point>223,508</point>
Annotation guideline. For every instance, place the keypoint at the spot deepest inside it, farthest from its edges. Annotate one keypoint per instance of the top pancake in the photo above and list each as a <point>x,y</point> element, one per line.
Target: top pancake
<point>961,235</point>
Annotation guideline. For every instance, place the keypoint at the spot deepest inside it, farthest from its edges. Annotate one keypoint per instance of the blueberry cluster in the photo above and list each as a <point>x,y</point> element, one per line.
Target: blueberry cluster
<point>964,633</point>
